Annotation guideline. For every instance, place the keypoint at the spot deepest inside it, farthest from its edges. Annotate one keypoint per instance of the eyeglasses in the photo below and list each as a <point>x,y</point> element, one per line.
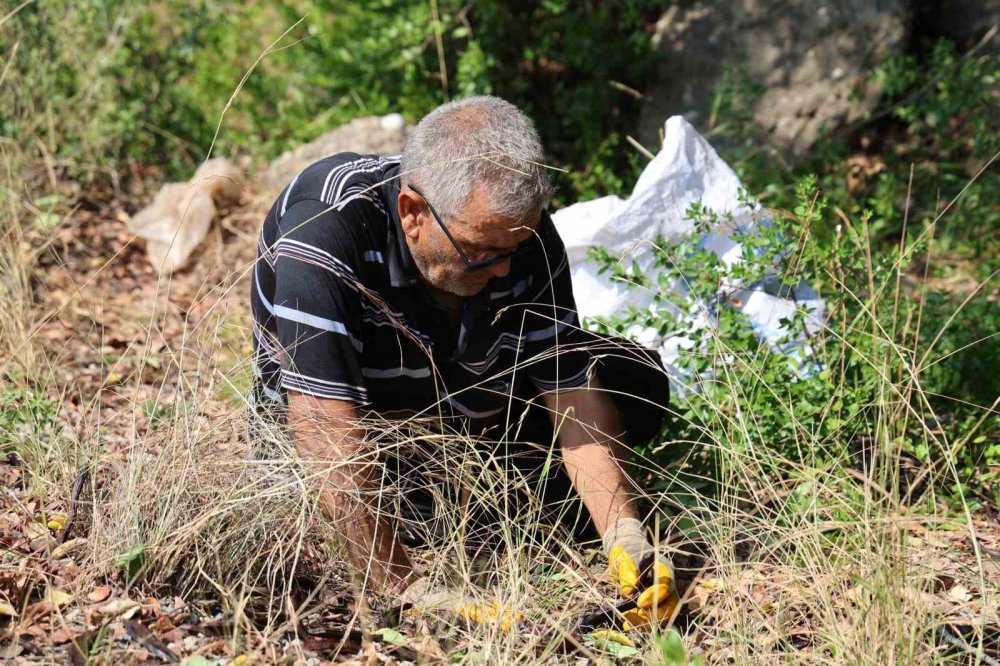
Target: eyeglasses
<point>469,264</point>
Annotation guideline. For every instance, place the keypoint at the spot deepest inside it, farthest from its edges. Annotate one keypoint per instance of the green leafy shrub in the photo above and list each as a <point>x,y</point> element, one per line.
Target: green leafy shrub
<point>876,375</point>
<point>907,367</point>
<point>58,98</point>
<point>25,415</point>
<point>151,83</point>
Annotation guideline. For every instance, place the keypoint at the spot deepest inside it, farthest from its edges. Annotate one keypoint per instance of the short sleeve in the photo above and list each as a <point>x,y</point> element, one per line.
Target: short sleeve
<point>317,307</point>
<point>555,359</point>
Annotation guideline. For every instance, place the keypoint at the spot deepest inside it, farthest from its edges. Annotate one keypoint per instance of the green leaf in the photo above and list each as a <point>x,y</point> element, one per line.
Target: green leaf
<point>132,560</point>
<point>617,649</point>
<point>611,647</point>
<point>199,660</point>
<point>391,636</point>
<point>47,221</point>
<point>672,648</point>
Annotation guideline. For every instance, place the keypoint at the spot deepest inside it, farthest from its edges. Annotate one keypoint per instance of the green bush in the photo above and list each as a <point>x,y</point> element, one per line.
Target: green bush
<point>58,98</point>
<point>906,366</point>
<point>889,369</point>
<point>25,415</point>
<point>150,82</point>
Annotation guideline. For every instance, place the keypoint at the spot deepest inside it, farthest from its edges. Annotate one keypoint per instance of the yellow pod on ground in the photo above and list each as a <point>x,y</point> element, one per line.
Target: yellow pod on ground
<point>612,636</point>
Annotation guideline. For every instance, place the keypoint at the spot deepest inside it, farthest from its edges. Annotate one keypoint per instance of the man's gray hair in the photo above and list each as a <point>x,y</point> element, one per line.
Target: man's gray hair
<point>478,141</point>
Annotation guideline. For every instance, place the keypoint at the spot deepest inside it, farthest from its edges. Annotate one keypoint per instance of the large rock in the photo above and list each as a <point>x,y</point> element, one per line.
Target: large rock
<point>372,135</point>
<point>810,56</point>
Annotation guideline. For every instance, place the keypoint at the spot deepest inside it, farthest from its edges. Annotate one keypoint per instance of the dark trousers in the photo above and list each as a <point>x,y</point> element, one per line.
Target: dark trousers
<point>515,478</point>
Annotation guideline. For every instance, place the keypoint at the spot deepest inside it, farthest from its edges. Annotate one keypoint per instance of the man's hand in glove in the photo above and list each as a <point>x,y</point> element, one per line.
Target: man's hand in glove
<point>640,573</point>
<point>421,596</point>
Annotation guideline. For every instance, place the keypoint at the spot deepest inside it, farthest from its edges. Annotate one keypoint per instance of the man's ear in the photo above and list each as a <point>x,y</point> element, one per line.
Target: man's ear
<point>411,213</point>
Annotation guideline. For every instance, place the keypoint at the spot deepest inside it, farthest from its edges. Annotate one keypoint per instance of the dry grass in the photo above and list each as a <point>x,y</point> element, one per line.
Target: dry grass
<point>15,293</point>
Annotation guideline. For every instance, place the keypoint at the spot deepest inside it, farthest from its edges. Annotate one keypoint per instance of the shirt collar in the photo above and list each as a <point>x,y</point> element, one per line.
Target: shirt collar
<point>402,270</point>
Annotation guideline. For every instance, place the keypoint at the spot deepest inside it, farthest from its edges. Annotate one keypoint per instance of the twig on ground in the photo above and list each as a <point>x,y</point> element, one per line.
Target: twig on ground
<point>81,478</point>
<point>946,634</point>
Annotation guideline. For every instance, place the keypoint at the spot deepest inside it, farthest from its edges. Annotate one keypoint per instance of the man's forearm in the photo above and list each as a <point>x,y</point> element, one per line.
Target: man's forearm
<point>588,427</point>
<point>332,447</point>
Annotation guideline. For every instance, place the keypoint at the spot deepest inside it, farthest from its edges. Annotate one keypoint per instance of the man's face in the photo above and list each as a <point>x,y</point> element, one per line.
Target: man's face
<point>480,233</point>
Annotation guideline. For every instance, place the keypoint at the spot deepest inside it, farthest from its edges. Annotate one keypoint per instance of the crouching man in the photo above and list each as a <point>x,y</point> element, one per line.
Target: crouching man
<point>435,285</point>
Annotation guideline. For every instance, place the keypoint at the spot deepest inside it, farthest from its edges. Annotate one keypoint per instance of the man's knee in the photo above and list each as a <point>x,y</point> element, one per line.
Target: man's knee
<point>636,380</point>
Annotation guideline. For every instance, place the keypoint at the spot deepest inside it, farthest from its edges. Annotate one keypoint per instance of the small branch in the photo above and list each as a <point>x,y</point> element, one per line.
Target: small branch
<point>81,478</point>
<point>628,90</point>
<point>638,146</point>
<point>947,634</point>
<point>439,42</point>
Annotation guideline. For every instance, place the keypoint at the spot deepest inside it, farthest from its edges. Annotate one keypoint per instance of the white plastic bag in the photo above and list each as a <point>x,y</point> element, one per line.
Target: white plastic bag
<point>179,217</point>
<point>687,170</point>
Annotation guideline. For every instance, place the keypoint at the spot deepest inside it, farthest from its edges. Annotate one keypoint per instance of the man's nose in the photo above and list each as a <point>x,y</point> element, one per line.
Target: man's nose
<point>501,268</point>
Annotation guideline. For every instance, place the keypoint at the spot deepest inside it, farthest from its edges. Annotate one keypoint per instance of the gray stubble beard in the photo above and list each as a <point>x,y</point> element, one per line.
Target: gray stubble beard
<point>426,267</point>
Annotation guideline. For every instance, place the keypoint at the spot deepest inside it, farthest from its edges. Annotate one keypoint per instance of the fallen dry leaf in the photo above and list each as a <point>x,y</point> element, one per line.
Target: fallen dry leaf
<point>174,635</point>
<point>118,607</point>
<point>151,606</point>
<point>99,594</point>
<point>61,551</point>
<point>57,597</point>
<point>927,602</point>
<point>430,649</point>
<point>63,635</point>
<point>7,610</point>
<point>959,594</point>
<point>162,625</point>
<point>699,598</point>
<point>856,595</point>
<point>36,531</point>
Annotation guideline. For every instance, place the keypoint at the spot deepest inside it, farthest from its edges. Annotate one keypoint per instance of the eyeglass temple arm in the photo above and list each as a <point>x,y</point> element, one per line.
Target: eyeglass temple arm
<point>437,219</point>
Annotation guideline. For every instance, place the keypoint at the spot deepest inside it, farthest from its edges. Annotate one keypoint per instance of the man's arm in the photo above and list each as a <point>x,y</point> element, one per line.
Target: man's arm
<point>331,446</point>
<point>587,422</point>
<point>592,455</point>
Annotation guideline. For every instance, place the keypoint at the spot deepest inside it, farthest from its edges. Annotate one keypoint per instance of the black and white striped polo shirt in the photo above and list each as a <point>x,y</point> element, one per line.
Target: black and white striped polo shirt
<point>339,309</point>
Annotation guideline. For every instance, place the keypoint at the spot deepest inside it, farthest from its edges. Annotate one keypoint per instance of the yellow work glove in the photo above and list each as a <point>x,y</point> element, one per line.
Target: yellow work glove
<point>640,573</point>
<point>422,597</point>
